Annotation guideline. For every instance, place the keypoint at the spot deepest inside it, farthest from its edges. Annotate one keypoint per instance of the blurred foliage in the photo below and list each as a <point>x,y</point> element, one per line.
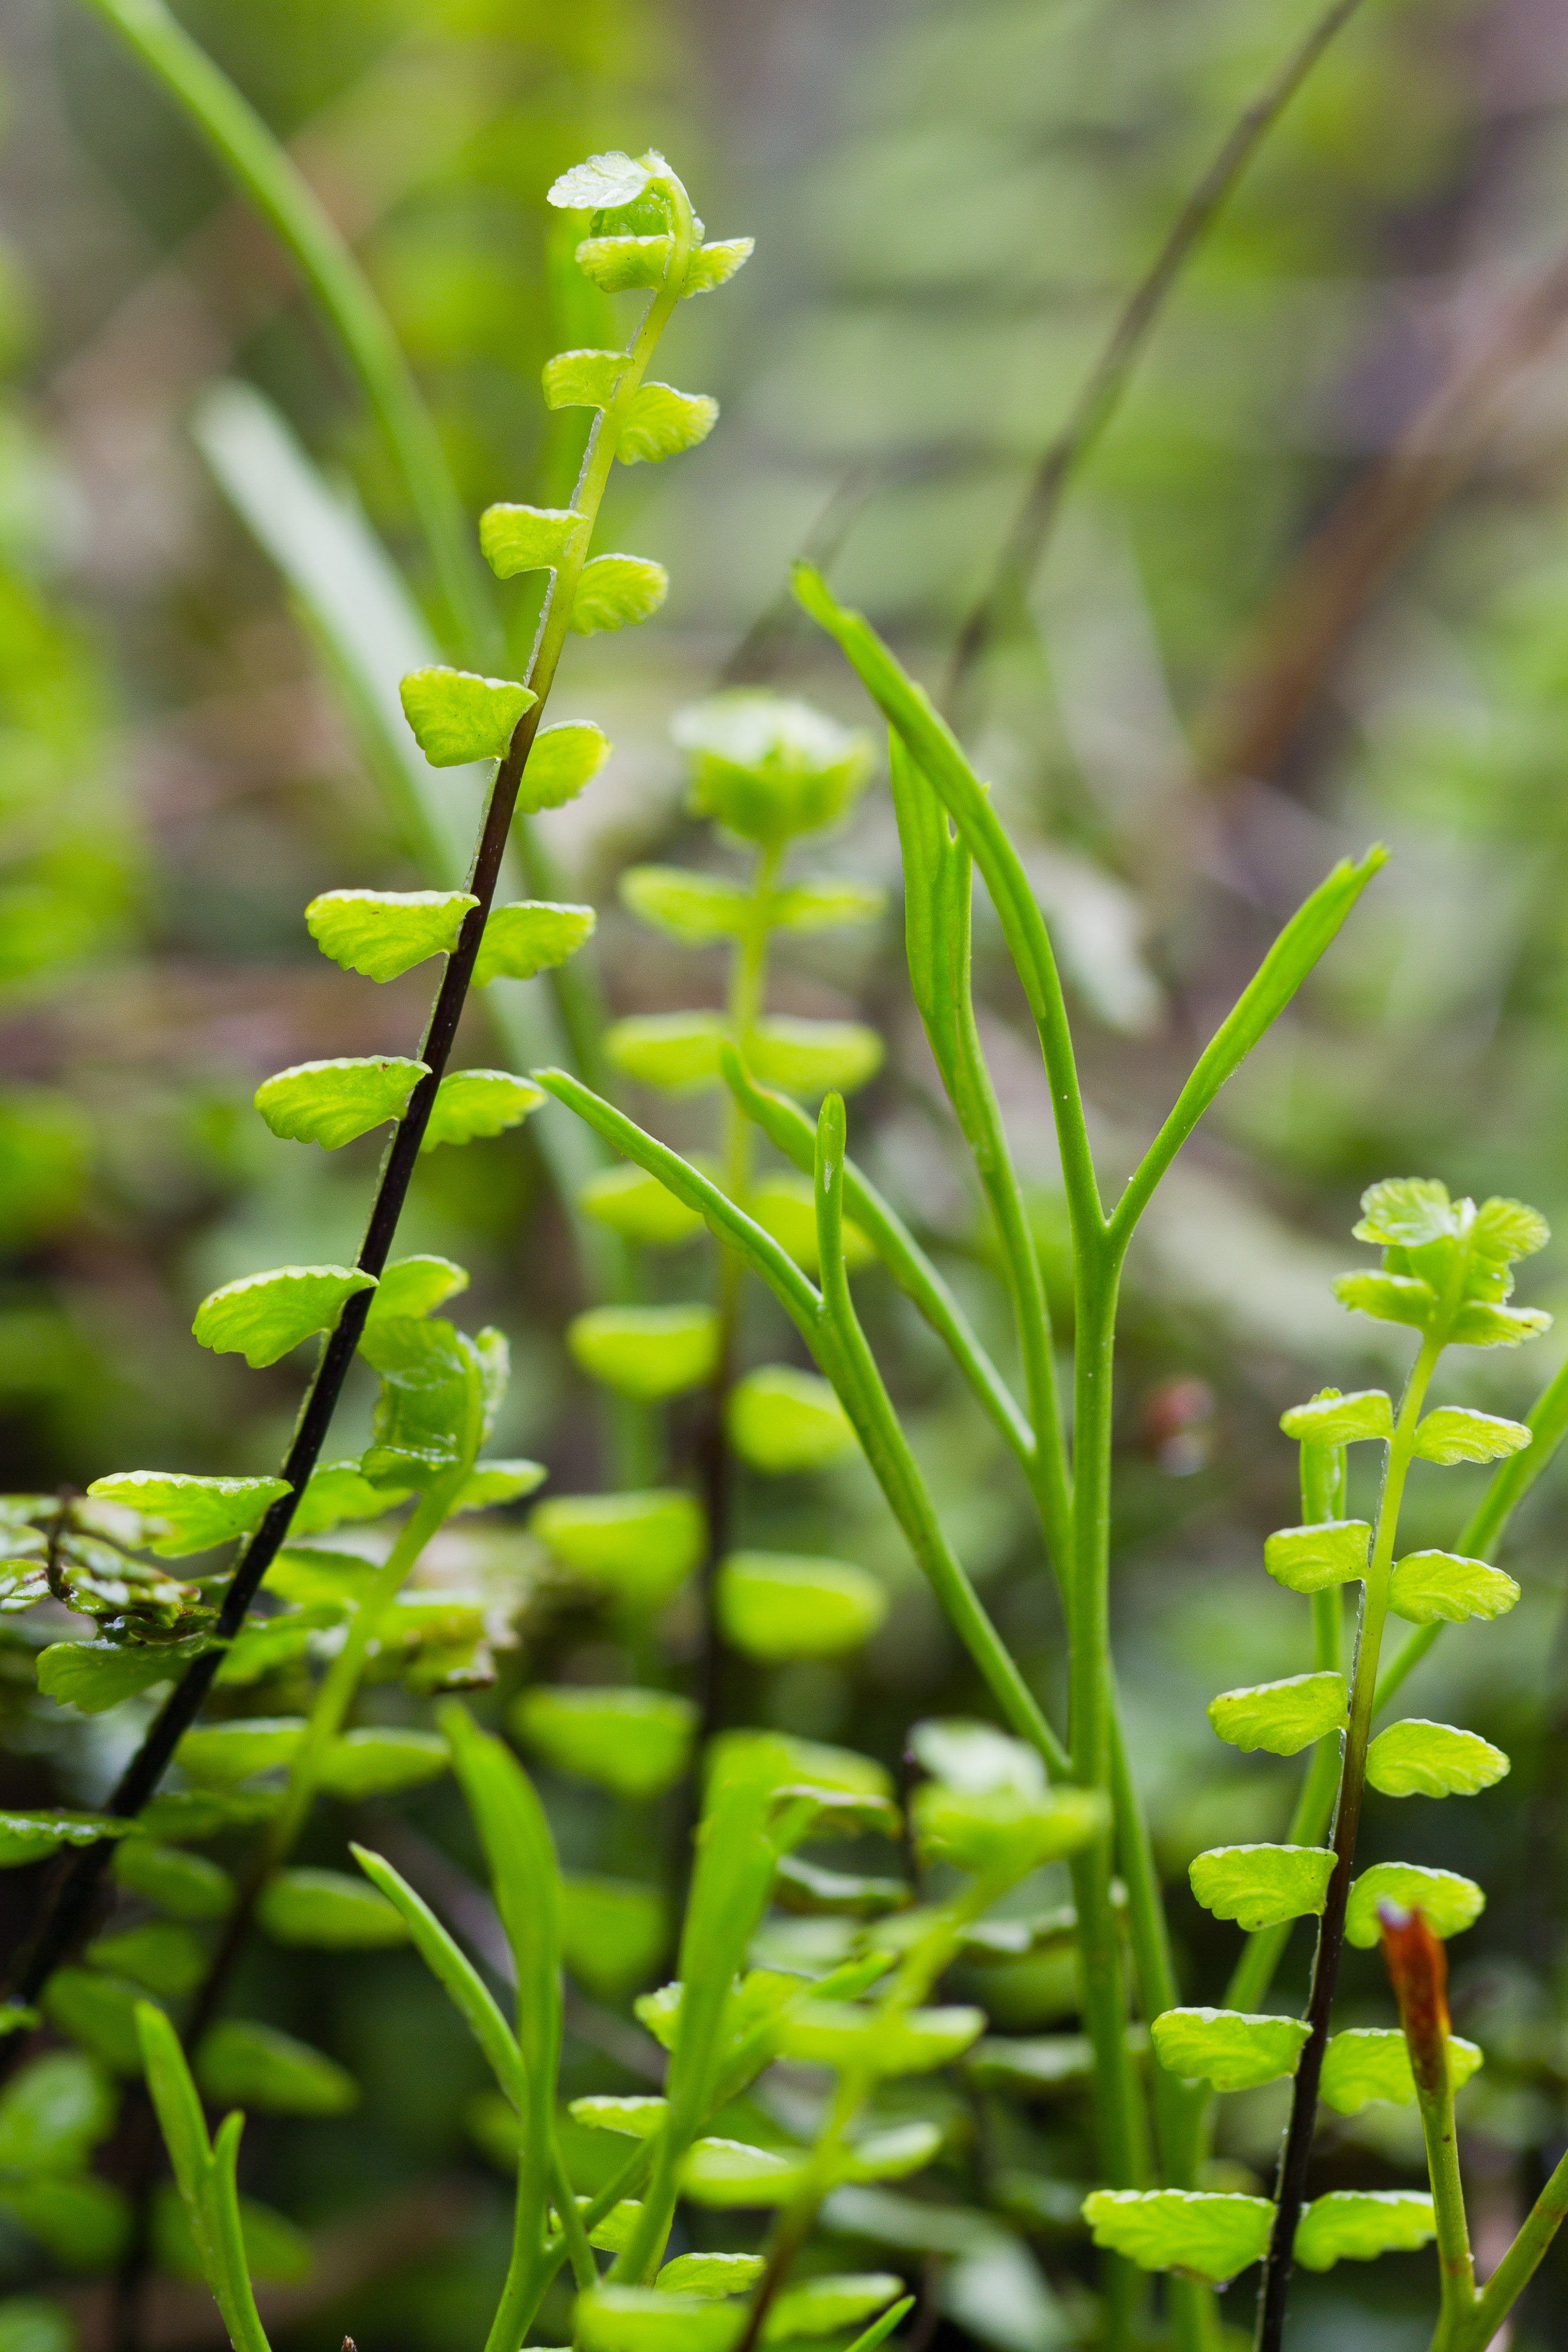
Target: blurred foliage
<point>950,205</point>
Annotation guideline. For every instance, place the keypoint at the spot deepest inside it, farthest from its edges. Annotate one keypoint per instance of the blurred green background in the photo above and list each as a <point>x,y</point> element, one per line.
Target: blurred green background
<point>1311,592</point>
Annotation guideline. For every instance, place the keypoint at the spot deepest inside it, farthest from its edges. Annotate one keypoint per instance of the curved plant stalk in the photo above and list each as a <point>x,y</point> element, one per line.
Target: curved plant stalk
<point>939,892</point>
<point>262,167</point>
<point>1100,1245</point>
<point>861,1391</point>
<point>786,1127</point>
<point>935,750</point>
<point>1518,2267</point>
<point>937,896</point>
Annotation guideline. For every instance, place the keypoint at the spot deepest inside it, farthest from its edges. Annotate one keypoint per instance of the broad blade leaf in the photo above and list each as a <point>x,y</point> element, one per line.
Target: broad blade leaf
<point>329,1911</point>
<point>409,1286</point>
<point>1316,1558</point>
<point>637,1742</point>
<point>515,538</point>
<point>223,1752</point>
<point>340,1490</point>
<point>188,1884</point>
<point>1223,2046</point>
<point>1447,1903</point>
<point>637,2117</point>
<point>1262,1885</point>
<point>94,1675</point>
<point>1439,1588</point>
<point>1355,2225</point>
<point>976,1758</point>
<point>54,2113</point>
<point>470,1103</point>
<point>615,591</point>
<point>677,1051</point>
<point>842,2033</point>
<point>644,1544</point>
<point>651,2319</point>
<point>561,760</point>
<point>1414,1758</point>
<point>1454,1433</point>
<point>1369,2061</point>
<point>331,1103</point>
<point>715,265</point>
<point>1340,1420</point>
<point>29,1837</point>
<point>1198,2233</point>
<point>1283,1716</point>
<point>603,181</point>
<point>257,2067</point>
<point>615,1934</point>
<point>1003,1831</point>
<point>822,2305</point>
<point>709,2275</point>
<point>383,933</point>
<point>812,1057</point>
<point>188,1514</point>
<point>262,1315</point>
<point>455,716</point>
<point>637,1205</point>
<point>530,936</point>
<point>376,1762</point>
<point>660,422</point>
<point>775,1605</point>
<point>695,909</point>
<point>780,1420</point>
<point>646,1352</point>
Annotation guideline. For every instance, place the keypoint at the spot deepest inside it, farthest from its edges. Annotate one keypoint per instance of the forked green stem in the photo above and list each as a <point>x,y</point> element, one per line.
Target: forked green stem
<point>1476,2331</point>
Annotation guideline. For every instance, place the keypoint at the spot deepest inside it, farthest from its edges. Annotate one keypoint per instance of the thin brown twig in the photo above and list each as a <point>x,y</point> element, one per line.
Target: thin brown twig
<point>1106,383</point>
<point>1258,706</point>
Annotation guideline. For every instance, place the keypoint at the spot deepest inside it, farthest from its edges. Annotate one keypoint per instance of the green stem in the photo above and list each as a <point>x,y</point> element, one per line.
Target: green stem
<point>281,193</point>
<point>1457,2266</point>
<point>786,1127</point>
<point>1322,1491</point>
<point>1297,2153</point>
<point>1515,2271</point>
<point>935,749</point>
<point>1122,2123</point>
<point>573,2230</point>
<point>841,1348</point>
<point>604,440</point>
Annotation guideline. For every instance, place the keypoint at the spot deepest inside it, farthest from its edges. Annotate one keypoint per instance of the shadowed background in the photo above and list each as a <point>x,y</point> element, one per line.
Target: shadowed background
<point>1309,590</point>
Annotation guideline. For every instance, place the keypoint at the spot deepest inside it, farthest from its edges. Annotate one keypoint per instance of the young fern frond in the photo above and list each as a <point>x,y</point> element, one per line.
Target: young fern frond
<point>1447,1271</point>
<point>455,716</point>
